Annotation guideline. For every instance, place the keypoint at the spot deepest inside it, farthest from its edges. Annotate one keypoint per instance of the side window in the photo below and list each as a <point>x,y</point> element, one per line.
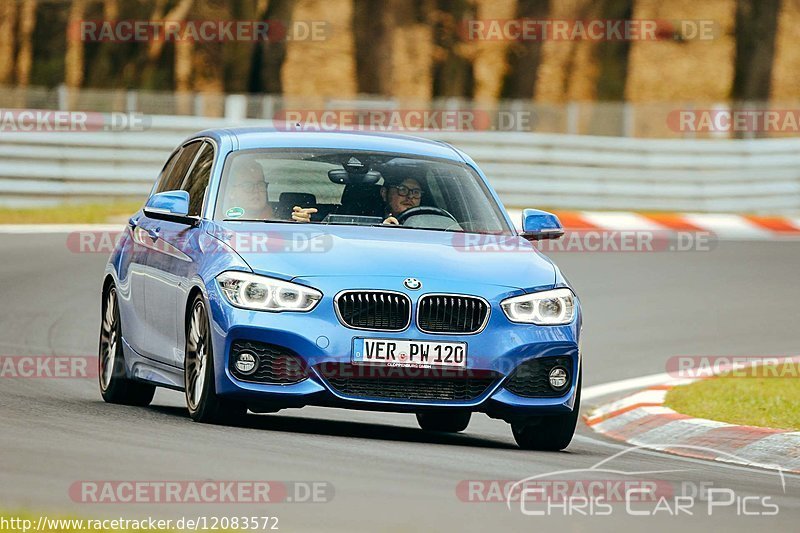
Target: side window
<point>197,180</point>
<point>165,171</point>
<point>172,180</point>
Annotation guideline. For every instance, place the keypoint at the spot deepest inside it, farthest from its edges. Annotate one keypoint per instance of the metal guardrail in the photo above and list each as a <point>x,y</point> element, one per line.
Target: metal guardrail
<point>527,169</point>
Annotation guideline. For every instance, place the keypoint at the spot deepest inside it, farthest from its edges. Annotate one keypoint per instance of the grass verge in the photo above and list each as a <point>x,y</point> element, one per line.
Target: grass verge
<point>772,402</point>
<point>70,213</point>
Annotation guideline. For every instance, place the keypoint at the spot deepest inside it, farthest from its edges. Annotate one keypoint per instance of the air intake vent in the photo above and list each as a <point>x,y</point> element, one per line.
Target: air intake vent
<point>451,313</point>
<point>530,378</point>
<point>376,310</point>
<point>407,384</point>
<point>275,365</point>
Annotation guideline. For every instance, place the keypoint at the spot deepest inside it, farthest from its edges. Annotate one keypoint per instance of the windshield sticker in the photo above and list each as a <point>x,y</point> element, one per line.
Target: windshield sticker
<point>234,212</point>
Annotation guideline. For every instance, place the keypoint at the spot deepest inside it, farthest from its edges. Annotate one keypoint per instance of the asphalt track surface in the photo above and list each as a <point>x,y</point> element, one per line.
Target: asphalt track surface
<point>640,309</point>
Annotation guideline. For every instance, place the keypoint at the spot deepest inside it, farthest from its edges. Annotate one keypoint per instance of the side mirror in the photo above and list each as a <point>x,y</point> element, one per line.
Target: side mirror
<point>170,205</point>
<point>538,225</point>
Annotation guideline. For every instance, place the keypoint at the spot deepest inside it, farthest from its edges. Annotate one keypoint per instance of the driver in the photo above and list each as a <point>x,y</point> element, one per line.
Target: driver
<point>398,196</point>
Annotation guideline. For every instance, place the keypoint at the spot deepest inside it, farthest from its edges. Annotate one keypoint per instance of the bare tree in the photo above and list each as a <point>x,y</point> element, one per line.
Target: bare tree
<point>524,57</point>
<point>73,60</point>
<point>372,26</point>
<point>612,55</point>
<point>453,73</point>
<point>756,26</point>
<point>267,58</point>
<point>27,23</point>
<point>155,47</point>
<point>8,19</point>
<point>184,53</point>
<point>106,61</point>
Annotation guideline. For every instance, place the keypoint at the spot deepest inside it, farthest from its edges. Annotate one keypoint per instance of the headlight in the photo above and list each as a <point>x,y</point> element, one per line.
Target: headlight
<point>546,308</point>
<point>261,293</point>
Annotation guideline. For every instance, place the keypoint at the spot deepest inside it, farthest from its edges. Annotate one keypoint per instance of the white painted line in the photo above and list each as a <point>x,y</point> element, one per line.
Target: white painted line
<point>621,221</point>
<point>657,410</point>
<point>676,432</point>
<point>652,452</point>
<point>725,226</point>
<point>645,396</point>
<point>605,389</point>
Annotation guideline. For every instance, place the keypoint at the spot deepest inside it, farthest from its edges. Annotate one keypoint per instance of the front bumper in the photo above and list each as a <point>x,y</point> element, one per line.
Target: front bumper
<point>320,340</point>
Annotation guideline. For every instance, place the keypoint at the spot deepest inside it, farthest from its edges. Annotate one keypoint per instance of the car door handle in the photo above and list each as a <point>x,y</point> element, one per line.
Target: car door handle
<point>153,233</point>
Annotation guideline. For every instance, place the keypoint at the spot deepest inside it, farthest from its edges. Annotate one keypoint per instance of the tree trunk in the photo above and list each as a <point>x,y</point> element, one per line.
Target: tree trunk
<point>8,18</point>
<point>268,57</point>
<point>27,22</point>
<point>612,55</point>
<point>155,47</point>
<point>524,57</point>
<point>453,74</point>
<point>612,73</point>
<point>184,51</point>
<point>372,25</point>
<point>73,63</point>
<point>756,26</point>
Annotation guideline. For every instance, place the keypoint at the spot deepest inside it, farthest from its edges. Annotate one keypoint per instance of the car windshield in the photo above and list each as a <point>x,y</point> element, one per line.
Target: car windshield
<point>357,188</point>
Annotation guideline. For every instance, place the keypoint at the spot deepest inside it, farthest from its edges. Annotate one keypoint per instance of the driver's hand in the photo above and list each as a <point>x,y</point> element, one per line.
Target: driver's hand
<point>391,220</point>
<point>302,214</point>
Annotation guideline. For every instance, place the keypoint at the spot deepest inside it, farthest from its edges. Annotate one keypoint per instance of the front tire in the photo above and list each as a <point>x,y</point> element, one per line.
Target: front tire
<point>201,398</point>
<point>445,421</point>
<point>549,433</point>
<point>115,387</point>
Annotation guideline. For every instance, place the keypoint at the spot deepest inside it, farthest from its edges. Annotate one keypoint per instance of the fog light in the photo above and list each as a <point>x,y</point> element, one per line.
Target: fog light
<point>246,363</point>
<point>558,378</point>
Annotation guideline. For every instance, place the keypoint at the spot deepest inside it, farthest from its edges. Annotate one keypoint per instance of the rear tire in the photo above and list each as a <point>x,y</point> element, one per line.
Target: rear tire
<point>549,433</point>
<point>115,387</point>
<point>201,398</point>
<point>444,421</point>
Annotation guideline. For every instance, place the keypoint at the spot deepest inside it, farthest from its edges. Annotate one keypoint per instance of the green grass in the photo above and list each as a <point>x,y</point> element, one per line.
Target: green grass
<point>772,402</point>
<point>70,213</point>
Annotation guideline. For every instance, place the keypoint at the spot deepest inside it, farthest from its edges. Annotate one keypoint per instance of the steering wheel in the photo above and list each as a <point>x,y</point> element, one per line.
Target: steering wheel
<point>423,210</point>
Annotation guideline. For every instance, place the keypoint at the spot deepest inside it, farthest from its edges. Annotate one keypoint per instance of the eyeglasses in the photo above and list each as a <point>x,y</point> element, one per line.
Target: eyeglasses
<point>253,186</point>
<point>402,190</point>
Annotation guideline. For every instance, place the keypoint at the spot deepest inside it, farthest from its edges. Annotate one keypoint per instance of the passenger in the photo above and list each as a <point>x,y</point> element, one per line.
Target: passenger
<point>247,190</point>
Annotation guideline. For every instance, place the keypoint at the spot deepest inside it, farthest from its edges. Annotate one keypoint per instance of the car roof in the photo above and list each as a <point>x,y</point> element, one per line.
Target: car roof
<point>267,137</point>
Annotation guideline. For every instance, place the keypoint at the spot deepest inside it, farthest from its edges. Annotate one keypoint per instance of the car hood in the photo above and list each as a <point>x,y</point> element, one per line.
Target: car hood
<point>288,251</point>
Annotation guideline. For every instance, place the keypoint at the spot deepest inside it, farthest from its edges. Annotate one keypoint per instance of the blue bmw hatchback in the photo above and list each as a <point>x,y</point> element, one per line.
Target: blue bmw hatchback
<point>270,270</point>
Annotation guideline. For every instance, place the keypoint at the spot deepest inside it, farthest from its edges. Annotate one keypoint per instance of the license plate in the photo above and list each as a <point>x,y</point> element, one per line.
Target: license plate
<point>409,353</point>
